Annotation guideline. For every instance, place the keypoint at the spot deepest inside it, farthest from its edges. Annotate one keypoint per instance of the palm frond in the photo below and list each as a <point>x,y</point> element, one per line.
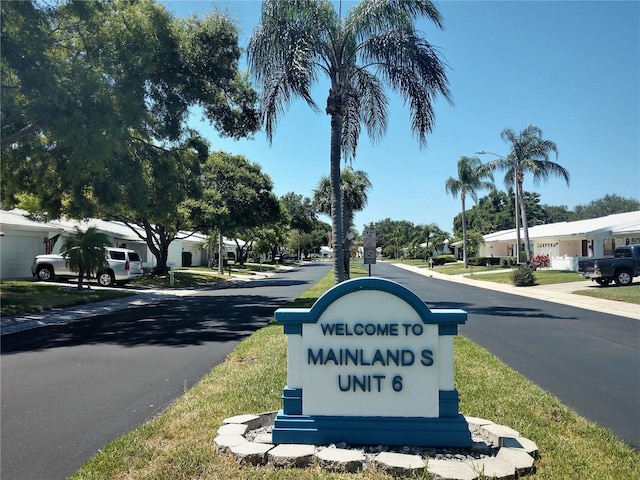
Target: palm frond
<point>412,67</point>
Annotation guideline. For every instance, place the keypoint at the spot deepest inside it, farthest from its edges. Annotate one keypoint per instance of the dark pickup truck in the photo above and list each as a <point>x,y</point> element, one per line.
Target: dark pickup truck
<point>621,268</point>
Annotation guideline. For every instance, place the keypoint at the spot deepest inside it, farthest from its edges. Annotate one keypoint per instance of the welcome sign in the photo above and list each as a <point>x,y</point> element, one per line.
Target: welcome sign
<point>370,364</point>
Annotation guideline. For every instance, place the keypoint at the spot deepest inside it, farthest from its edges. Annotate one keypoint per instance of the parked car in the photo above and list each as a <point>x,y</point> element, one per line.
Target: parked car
<point>123,265</point>
<point>621,268</point>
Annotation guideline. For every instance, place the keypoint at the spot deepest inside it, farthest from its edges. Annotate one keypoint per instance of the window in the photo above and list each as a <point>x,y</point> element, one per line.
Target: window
<point>117,255</point>
<point>608,246</point>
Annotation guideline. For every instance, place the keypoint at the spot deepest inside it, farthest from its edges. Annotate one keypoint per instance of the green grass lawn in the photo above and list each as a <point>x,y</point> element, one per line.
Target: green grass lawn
<point>18,297</point>
<point>178,444</point>
<point>630,294</point>
<point>543,277</point>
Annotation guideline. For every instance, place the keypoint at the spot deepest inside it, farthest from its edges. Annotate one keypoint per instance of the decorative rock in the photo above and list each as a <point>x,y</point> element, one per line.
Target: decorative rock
<point>291,455</point>
<point>267,418</point>
<point>251,453</point>
<point>225,442</point>
<point>497,452</point>
<point>263,438</point>
<point>496,433</point>
<point>475,423</point>
<point>252,421</point>
<point>233,429</point>
<point>340,459</point>
<point>492,467</point>
<point>399,463</point>
<point>521,443</point>
<point>450,470</point>
<point>521,460</point>
<point>483,448</point>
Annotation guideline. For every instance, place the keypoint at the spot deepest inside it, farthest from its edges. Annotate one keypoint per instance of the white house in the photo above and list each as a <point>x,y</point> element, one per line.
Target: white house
<point>22,239</point>
<point>566,242</point>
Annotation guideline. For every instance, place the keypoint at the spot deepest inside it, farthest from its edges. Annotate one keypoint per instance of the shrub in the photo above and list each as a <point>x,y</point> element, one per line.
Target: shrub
<point>508,261</point>
<point>541,261</point>
<point>484,261</point>
<point>442,259</point>
<point>523,276</point>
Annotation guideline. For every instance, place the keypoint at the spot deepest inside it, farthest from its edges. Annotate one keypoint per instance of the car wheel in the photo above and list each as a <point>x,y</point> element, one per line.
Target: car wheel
<point>603,282</point>
<point>623,278</point>
<point>45,273</point>
<point>106,279</point>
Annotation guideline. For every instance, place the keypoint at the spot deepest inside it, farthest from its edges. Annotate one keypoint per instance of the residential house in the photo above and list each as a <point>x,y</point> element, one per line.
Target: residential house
<point>566,242</point>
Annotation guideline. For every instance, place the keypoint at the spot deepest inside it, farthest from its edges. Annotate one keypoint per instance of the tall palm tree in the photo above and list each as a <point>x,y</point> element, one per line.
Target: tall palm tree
<point>529,154</point>
<point>354,185</point>
<point>298,40</point>
<point>85,252</point>
<point>470,180</point>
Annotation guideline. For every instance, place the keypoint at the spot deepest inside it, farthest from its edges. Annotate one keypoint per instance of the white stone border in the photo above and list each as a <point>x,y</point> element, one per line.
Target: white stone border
<point>498,452</point>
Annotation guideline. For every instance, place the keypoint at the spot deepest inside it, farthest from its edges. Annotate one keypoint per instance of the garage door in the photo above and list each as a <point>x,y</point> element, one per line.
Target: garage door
<point>16,255</point>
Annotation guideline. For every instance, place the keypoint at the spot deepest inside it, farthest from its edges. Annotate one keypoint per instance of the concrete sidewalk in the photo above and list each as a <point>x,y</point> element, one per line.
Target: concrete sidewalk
<point>558,293</point>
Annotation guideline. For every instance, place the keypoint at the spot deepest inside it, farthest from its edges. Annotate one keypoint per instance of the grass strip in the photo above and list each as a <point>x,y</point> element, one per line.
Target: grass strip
<point>179,443</point>
<point>20,297</point>
<point>629,294</point>
<point>543,277</point>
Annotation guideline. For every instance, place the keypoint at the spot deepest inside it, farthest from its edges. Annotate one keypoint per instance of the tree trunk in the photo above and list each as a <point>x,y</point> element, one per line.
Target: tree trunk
<point>337,235</point>
<point>525,223</point>
<point>346,224</point>
<point>464,231</point>
<point>220,253</point>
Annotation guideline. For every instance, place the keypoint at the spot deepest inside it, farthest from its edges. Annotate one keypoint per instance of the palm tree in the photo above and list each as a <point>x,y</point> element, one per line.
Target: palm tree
<point>86,253</point>
<point>430,236</point>
<point>298,40</point>
<point>353,196</point>
<point>529,153</point>
<point>470,180</point>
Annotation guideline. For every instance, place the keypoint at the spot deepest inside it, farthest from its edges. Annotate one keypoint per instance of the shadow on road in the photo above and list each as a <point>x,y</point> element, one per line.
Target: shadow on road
<point>496,311</point>
<point>173,323</point>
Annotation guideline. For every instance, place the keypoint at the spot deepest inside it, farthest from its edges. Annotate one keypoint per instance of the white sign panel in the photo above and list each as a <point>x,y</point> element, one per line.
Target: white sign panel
<point>370,354</point>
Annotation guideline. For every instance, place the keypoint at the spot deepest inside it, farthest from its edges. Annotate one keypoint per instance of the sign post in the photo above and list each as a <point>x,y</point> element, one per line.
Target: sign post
<point>369,245</point>
<point>369,364</point>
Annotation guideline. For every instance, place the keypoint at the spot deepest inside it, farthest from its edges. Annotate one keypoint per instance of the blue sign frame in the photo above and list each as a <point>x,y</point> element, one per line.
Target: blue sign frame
<point>449,429</point>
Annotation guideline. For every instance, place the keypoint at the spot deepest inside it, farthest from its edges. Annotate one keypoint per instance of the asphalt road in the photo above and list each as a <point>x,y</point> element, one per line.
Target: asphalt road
<point>589,360</point>
<point>69,390</point>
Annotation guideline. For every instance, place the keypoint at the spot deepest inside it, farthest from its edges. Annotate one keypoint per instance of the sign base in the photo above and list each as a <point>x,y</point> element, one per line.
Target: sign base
<point>389,431</point>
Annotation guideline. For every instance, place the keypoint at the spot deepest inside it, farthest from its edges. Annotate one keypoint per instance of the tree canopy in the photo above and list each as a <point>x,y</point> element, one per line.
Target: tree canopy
<point>82,82</point>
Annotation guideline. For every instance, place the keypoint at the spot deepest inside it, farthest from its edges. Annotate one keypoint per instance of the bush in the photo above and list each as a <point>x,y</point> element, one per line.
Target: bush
<point>508,261</point>
<point>541,261</point>
<point>484,261</point>
<point>442,259</point>
<point>523,276</point>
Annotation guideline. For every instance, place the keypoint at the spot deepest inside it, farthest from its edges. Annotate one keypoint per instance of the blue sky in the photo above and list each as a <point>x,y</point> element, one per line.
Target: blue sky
<point>570,68</point>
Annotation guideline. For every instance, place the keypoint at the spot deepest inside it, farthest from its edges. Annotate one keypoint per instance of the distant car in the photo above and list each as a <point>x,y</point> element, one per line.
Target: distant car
<point>123,266</point>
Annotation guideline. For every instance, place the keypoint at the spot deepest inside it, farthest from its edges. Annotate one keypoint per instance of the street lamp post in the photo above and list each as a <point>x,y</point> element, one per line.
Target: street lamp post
<point>515,192</point>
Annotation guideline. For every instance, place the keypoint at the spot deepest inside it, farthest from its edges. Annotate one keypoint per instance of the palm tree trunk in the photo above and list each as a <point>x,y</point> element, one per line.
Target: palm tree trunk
<point>525,224</point>
<point>464,231</point>
<point>337,234</point>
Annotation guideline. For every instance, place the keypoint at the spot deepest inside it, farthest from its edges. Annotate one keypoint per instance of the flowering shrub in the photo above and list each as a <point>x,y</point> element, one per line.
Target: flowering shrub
<point>541,261</point>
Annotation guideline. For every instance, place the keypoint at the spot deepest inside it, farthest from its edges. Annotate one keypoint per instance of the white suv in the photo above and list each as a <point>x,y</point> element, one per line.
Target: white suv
<point>123,266</point>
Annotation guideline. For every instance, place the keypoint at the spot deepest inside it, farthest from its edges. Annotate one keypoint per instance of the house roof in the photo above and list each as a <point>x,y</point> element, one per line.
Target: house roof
<point>619,224</point>
<point>118,230</point>
<point>14,219</point>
